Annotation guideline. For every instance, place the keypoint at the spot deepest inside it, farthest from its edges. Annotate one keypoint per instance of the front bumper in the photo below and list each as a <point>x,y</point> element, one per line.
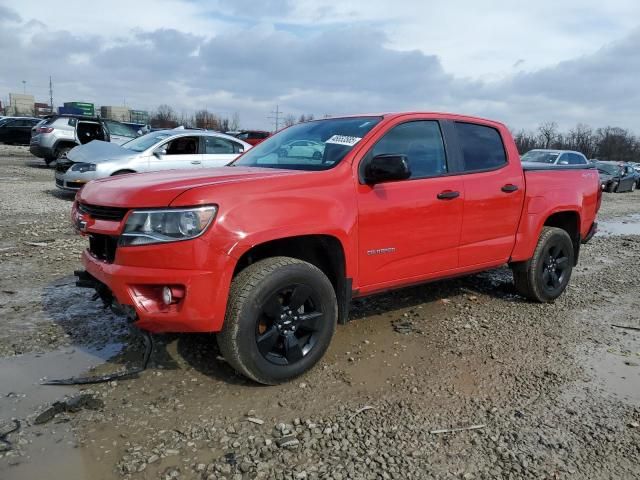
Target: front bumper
<point>201,309</point>
<point>72,181</point>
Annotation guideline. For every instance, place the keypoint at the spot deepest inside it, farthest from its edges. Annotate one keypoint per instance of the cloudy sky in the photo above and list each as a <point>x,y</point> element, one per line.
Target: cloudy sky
<point>571,61</point>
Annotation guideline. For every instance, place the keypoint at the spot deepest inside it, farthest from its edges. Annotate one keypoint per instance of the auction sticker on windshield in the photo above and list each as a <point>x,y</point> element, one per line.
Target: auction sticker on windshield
<point>343,140</point>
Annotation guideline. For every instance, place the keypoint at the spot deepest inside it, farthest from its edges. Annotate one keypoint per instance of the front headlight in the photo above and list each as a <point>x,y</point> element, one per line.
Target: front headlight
<point>83,167</point>
<point>145,227</point>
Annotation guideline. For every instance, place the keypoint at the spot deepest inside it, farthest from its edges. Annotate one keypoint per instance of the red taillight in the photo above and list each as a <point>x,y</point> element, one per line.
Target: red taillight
<point>44,130</point>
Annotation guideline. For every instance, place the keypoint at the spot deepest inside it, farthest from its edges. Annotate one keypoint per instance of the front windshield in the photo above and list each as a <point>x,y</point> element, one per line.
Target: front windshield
<point>144,142</point>
<point>608,168</point>
<point>317,145</point>
<point>540,157</point>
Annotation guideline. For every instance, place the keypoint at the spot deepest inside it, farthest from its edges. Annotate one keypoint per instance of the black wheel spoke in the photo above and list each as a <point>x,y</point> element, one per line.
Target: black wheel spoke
<point>310,321</point>
<point>300,294</point>
<point>272,307</point>
<point>268,340</point>
<point>292,348</point>
<point>562,262</point>
<point>555,280</point>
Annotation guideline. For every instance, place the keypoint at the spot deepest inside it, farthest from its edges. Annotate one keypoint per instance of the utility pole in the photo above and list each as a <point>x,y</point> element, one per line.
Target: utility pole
<point>275,116</point>
<point>50,94</point>
<point>24,87</point>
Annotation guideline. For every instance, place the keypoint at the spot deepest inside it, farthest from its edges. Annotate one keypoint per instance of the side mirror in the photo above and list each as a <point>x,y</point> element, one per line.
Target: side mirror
<point>160,152</point>
<point>386,168</point>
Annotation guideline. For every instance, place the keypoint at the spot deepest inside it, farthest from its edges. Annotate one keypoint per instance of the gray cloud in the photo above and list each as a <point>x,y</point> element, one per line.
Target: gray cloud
<point>335,70</point>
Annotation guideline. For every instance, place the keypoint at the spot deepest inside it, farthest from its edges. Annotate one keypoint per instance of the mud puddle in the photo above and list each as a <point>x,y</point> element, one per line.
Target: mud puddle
<point>617,369</point>
<point>625,226</point>
<point>47,450</point>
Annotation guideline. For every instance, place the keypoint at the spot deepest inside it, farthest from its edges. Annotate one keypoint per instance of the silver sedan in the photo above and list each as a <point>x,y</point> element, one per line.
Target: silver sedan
<point>160,150</point>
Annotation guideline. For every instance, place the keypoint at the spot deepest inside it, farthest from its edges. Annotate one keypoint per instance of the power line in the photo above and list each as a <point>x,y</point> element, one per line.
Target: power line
<point>275,116</point>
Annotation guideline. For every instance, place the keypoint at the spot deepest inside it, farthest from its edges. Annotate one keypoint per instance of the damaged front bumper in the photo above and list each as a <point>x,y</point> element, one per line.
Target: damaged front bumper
<point>86,280</point>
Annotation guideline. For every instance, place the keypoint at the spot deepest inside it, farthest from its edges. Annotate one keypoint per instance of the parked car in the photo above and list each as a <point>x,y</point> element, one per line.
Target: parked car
<point>253,137</point>
<point>269,252</point>
<point>17,130</point>
<point>162,150</point>
<point>302,149</point>
<point>555,157</point>
<point>617,177</point>
<point>52,140</point>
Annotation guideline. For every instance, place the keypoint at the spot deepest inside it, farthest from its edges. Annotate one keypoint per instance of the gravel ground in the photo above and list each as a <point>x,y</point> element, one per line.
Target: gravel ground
<point>552,391</point>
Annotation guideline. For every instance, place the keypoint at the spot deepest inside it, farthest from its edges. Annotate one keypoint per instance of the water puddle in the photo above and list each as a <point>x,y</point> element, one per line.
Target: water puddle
<point>50,451</point>
<point>617,369</point>
<point>626,226</point>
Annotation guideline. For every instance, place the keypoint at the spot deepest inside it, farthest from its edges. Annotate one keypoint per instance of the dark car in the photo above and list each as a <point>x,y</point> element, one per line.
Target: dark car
<point>617,177</point>
<point>17,130</point>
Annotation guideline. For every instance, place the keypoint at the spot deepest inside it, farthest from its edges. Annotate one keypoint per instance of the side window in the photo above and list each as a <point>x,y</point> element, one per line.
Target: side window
<point>421,141</point>
<point>182,146</point>
<point>116,128</point>
<point>72,122</point>
<point>575,159</point>
<point>215,145</point>
<point>482,147</point>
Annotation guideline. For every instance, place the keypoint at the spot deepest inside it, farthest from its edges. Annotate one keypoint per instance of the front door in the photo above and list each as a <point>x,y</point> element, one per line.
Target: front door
<point>178,153</point>
<point>410,229</point>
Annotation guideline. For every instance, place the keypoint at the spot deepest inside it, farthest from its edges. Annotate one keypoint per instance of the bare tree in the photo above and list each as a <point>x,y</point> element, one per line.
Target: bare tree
<point>234,124</point>
<point>164,117</point>
<point>548,133</point>
<point>289,120</point>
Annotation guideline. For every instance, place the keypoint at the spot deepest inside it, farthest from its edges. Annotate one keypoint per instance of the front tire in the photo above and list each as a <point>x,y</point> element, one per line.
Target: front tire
<point>549,270</point>
<point>281,315</point>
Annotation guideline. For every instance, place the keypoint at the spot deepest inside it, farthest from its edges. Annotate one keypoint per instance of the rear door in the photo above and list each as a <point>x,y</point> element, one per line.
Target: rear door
<point>218,151</point>
<point>178,153</point>
<point>494,194</point>
<point>409,229</point>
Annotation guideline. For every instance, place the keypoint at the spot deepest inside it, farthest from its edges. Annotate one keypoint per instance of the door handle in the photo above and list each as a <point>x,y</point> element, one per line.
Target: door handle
<point>195,162</point>
<point>448,195</point>
<point>509,188</point>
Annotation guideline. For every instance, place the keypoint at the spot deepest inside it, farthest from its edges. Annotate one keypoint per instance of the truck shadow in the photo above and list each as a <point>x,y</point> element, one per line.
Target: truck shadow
<point>93,328</point>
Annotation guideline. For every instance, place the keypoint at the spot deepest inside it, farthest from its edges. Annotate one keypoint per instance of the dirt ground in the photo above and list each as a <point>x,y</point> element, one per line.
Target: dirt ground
<point>551,391</point>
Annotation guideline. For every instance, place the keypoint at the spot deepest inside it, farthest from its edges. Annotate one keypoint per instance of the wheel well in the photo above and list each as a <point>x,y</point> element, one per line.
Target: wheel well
<point>323,251</point>
<point>570,223</point>
<point>64,144</point>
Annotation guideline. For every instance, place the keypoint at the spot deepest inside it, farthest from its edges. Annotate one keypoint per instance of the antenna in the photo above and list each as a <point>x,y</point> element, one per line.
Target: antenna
<point>50,94</point>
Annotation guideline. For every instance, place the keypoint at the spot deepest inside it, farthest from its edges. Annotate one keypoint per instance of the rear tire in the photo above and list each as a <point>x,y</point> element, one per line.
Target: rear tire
<point>549,270</point>
<point>281,315</point>
<point>611,188</point>
<point>61,152</point>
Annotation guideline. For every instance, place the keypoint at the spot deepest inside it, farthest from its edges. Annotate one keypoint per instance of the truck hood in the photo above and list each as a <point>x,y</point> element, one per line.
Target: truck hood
<point>97,151</point>
<point>159,189</point>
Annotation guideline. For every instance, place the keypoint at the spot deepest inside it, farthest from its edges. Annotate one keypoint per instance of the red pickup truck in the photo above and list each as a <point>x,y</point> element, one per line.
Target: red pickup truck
<point>269,251</point>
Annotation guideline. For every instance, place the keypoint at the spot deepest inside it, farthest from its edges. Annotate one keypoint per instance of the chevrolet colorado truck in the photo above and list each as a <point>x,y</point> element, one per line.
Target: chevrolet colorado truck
<point>269,251</point>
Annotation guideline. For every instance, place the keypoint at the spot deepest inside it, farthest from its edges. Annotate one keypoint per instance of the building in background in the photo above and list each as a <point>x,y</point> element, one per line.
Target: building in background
<point>120,114</point>
<point>139,116</point>
<point>20,105</point>
<point>41,109</point>
<point>79,108</point>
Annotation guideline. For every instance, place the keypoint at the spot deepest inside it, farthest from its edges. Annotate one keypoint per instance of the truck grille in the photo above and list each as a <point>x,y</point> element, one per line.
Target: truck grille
<point>103,213</point>
<point>103,247</point>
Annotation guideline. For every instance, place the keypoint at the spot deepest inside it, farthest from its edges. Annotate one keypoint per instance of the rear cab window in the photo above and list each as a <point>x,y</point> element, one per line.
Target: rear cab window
<point>481,146</point>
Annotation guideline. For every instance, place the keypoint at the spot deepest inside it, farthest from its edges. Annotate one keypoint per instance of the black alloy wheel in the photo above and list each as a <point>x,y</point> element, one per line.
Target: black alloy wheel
<point>281,315</point>
<point>288,326</point>
<point>555,267</point>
